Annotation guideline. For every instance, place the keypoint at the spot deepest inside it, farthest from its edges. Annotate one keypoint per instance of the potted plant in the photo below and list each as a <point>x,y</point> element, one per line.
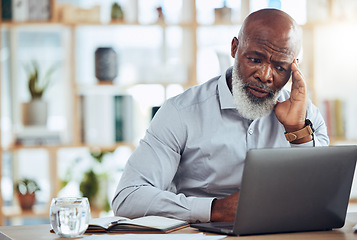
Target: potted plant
<point>117,13</point>
<point>25,190</point>
<point>35,111</point>
<point>93,180</point>
<point>94,184</point>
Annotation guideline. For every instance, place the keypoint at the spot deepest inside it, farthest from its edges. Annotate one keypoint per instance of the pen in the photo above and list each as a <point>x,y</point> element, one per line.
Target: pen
<point>117,221</point>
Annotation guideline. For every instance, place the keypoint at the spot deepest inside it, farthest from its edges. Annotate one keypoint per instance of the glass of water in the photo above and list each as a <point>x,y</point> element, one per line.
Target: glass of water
<point>69,216</point>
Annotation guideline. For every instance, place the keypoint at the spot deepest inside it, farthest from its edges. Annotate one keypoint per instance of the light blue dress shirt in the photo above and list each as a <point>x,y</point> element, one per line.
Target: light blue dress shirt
<point>194,151</point>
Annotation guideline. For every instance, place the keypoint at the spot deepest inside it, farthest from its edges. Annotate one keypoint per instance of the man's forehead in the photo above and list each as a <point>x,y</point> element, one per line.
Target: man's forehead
<point>270,50</point>
<point>282,38</point>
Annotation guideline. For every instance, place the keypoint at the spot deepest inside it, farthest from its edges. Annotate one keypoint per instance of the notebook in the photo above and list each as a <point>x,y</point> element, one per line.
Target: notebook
<point>292,190</point>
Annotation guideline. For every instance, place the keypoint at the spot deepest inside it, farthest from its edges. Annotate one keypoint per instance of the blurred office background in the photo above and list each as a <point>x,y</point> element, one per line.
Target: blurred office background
<point>111,64</point>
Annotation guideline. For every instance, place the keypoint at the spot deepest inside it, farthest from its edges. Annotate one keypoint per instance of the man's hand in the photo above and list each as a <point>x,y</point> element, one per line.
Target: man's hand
<point>224,210</point>
<point>291,113</point>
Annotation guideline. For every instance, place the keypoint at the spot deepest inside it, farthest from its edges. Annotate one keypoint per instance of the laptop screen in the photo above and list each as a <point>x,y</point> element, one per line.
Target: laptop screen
<point>291,190</point>
<point>295,189</point>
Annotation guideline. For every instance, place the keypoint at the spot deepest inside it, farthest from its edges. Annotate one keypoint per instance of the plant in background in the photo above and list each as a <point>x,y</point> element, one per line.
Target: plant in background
<point>37,86</point>
<point>117,12</point>
<point>27,186</point>
<point>90,185</point>
<point>35,111</point>
<point>26,189</point>
<point>92,175</point>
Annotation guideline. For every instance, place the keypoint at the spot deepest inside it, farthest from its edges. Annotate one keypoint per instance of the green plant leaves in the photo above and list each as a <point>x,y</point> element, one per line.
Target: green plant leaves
<point>36,85</point>
<point>27,185</point>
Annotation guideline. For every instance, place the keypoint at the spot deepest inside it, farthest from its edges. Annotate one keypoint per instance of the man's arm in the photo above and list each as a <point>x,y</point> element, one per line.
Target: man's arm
<point>146,187</point>
<point>135,201</point>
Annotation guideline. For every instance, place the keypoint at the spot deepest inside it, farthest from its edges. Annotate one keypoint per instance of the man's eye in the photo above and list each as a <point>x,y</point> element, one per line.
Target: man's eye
<point>280,68</point>
<point>255,60</point>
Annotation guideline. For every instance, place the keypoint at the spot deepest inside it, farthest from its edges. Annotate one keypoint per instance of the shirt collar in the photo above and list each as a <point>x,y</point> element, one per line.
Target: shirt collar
<point>225,95</point>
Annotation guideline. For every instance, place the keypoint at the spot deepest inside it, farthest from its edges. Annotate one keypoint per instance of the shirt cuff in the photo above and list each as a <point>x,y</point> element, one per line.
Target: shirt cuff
<point>201,209</point>
<point>307,144</point>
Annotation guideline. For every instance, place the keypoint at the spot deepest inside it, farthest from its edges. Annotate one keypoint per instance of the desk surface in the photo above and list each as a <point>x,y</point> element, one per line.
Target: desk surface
<point>40,232</point>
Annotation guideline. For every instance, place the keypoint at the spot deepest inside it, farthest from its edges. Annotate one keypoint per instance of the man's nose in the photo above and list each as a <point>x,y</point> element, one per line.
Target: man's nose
<point>265,74</point>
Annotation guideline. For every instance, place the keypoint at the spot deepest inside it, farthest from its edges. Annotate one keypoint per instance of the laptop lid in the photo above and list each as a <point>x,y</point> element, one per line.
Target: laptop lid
<point>293,189</point>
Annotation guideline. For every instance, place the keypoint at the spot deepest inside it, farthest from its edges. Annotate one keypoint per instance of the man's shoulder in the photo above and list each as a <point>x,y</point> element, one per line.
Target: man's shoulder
<point>198,94</point>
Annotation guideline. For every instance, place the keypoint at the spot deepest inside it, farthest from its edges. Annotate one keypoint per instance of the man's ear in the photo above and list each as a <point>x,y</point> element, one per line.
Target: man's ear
<point>234,46</point>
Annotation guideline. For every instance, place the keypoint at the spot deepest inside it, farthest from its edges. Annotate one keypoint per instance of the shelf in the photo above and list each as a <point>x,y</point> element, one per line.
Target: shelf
<point>57,147</point>
<point>113,88</point>
<point>39,23</point>
<point>39,211</point>
<point>110,24</point>
<point>29,24</point>
<point>342,141</point>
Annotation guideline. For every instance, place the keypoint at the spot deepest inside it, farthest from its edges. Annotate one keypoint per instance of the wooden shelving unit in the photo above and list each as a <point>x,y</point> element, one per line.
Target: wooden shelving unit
<point>14,211</point>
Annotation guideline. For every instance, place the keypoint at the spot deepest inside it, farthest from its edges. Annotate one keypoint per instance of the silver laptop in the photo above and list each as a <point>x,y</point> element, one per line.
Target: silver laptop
<point>292,190</point>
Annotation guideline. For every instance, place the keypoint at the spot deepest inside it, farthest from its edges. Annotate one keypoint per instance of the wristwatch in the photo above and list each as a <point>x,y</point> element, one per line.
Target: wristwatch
<point>306,131</point>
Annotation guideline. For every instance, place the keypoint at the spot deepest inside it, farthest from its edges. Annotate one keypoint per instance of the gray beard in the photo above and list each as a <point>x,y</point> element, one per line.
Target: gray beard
<point>248,105</point>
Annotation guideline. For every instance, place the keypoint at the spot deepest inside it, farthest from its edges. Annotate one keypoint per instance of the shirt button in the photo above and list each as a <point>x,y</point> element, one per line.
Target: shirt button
<point>250,131</point>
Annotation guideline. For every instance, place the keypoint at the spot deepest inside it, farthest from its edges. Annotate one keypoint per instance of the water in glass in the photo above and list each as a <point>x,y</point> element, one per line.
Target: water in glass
<point>69,216</point>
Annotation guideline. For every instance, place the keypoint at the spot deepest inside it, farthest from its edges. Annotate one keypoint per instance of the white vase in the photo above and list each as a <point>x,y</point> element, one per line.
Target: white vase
<point>34,113</point>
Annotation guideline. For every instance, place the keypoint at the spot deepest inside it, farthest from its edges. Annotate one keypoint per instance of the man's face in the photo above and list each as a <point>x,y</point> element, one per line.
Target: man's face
<point>265,65</point>
<point>249,105</point>
<point>262,67</point>
<point>260,71</point>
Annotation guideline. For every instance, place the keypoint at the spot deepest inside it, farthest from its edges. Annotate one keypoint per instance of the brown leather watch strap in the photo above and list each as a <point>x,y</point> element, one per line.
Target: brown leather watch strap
<point>306,131</point>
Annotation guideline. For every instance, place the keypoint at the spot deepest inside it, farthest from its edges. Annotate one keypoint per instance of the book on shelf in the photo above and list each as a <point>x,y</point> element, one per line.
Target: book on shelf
<point>326,111</point>
<point>6,10</point>
<point>31,136</point>
<point>147,224</point>
<point>39,10</point>
<point>97,119</point>
<point>106,119</point>
<point>351,119</point>
<point>339,118</point>
<point>123,110</point>
<point>334,113</point>
<point>20,10</point>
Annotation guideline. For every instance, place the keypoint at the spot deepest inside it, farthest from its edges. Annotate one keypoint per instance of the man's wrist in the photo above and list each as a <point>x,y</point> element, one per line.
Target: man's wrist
<point>303,135</point>
<point>214,213</point>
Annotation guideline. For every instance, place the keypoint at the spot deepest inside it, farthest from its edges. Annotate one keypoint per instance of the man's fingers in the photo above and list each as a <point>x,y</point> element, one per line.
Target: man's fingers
<point>297,76</point>
<point>296,71</point>
<point>298,87</point>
